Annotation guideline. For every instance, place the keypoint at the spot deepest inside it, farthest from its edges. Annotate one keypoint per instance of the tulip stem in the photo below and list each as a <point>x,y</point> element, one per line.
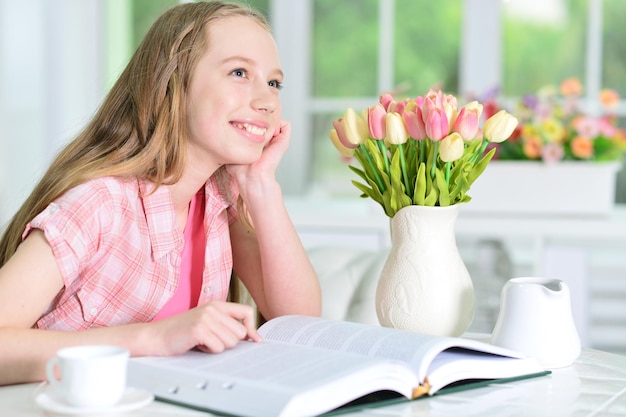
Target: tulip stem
<point>379,181</point>
<point>434,161</point>
<point>480,151</point>
<point>409,190</point>
<point>383,151</point>
<point>448,166</point>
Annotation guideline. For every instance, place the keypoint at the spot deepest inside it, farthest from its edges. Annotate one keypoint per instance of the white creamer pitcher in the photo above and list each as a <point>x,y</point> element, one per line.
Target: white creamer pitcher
<point>536,319</point>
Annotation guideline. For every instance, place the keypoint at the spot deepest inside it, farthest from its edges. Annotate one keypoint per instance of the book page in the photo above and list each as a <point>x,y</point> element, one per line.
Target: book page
<point>268,378</point>
<point>350,337</point>
<point>416,349</point>
<point>268,363</point>
<point>460,364</point>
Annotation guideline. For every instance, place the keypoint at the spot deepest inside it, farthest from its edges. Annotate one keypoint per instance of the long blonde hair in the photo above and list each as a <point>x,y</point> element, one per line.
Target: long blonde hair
<point>140,129</point>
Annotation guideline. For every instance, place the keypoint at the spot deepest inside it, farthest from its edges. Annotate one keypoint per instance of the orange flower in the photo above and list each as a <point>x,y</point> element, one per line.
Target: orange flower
<point>571,87</point>
<point>582,147</point>
<point>609,98</point>
<point>533,146</point>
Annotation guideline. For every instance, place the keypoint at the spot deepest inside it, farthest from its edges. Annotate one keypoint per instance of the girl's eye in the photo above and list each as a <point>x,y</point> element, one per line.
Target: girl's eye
<point>276,84</point>
<point>239,72</point>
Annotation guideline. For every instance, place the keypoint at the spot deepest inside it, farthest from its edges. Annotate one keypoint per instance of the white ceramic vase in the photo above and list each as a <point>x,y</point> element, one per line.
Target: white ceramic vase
<point>424,285</point>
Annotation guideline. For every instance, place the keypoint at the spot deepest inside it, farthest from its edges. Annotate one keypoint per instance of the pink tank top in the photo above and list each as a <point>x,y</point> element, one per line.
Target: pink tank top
<point>192,262</point>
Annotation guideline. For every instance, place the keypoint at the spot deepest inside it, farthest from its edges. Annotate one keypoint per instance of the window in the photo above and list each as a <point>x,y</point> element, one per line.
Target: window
<point>543,44</point>
<point>360,48</point>
<point>335,54</point>
<point>127,22</point>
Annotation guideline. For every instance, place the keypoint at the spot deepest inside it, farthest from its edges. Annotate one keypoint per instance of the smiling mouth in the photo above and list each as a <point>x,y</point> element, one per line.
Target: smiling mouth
<point>255,130</point>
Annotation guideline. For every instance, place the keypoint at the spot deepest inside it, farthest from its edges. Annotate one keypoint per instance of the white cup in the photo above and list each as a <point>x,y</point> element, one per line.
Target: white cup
<point>90,376</point>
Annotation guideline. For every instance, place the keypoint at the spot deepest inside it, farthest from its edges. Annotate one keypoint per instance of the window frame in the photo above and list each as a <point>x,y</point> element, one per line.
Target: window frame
<point>481,67</point>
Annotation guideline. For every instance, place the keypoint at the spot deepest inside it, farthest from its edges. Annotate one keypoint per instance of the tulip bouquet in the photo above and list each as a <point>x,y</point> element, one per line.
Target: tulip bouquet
<point>553,127</point>
<point>423,151</point>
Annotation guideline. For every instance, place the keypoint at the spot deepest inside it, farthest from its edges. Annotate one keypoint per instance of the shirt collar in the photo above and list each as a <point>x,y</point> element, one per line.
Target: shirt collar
<point>220,192</point>
<point>160,219</point>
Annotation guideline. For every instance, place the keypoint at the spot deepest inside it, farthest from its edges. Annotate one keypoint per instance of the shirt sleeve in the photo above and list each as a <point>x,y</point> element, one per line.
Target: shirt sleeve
<point>75,226</point>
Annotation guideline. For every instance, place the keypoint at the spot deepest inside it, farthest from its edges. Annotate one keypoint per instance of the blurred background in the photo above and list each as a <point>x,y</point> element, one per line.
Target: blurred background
<point>58,58</point>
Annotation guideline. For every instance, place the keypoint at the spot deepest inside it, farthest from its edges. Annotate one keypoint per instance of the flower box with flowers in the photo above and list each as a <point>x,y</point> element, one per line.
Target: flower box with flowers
<point>536,188</point>
<point>559,160</point>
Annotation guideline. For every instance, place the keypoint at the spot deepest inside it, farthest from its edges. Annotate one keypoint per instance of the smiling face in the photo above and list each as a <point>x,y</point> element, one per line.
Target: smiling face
<point>233,102</point>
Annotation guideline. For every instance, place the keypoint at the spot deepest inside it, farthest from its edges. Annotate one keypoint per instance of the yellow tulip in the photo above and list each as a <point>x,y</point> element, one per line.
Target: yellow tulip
<point>475,107</point>
<point>499,127</point>
<point>396,131</point>
<point>355,127</point>
<point>451,147</point>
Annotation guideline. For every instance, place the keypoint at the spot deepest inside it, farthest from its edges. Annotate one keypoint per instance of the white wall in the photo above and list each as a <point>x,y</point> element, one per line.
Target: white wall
<point>50,84</point>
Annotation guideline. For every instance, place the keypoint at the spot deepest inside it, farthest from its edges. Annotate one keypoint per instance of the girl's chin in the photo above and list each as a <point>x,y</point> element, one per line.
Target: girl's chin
<point>248,158</point>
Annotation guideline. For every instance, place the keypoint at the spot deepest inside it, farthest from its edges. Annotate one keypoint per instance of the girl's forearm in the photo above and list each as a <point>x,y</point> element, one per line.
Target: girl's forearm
<point>24,352</point>
<point>290,282</point>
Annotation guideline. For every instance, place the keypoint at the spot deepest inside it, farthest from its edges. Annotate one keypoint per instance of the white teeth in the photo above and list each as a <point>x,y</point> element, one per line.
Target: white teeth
<point>255,130</point>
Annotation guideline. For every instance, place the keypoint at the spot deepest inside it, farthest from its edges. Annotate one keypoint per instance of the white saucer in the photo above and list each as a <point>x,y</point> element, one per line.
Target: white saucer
<point>131,400</point>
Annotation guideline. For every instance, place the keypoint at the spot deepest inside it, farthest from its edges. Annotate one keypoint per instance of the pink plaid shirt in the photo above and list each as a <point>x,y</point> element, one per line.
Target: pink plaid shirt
<point>119,251</point>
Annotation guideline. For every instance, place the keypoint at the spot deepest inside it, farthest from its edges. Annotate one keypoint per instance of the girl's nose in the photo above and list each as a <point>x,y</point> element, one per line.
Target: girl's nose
<point>265,99</point>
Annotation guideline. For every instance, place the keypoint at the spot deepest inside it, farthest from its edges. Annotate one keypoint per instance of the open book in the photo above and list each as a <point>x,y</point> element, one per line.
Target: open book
<point>308,366</point>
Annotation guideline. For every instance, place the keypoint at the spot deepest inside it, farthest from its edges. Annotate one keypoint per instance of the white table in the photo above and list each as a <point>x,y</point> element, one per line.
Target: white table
<point>595,386</point>
<point>560,246</point>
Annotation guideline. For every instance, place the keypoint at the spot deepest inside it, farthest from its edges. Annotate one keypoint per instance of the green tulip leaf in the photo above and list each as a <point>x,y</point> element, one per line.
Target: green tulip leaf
<point>419,195</point>
<point>369,192</point>
<point>359,172</point>
<point>431,198</point>
<point>442,187</point>
<point>480,166</point>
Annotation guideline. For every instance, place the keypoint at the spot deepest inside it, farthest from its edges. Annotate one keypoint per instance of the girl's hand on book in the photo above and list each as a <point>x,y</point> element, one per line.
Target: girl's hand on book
<point>212,327</point>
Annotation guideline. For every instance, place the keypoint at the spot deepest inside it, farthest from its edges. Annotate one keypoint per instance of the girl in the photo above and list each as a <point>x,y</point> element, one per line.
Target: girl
<point>131,236</point>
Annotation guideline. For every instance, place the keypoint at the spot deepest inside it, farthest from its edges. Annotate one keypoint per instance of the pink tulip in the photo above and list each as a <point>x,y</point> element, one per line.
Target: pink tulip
<point>466,124</point>
<point>344,151</point>
<point>385,100</point>
<point>433,99</point>
<point>414,123</point>
<point>376,121</point>
<point>341,134</point>
<point>436,124</point>
<point>399,106</point>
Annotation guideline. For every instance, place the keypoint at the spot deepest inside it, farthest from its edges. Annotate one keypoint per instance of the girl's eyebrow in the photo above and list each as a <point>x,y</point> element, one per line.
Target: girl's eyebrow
<point>238,58</point>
